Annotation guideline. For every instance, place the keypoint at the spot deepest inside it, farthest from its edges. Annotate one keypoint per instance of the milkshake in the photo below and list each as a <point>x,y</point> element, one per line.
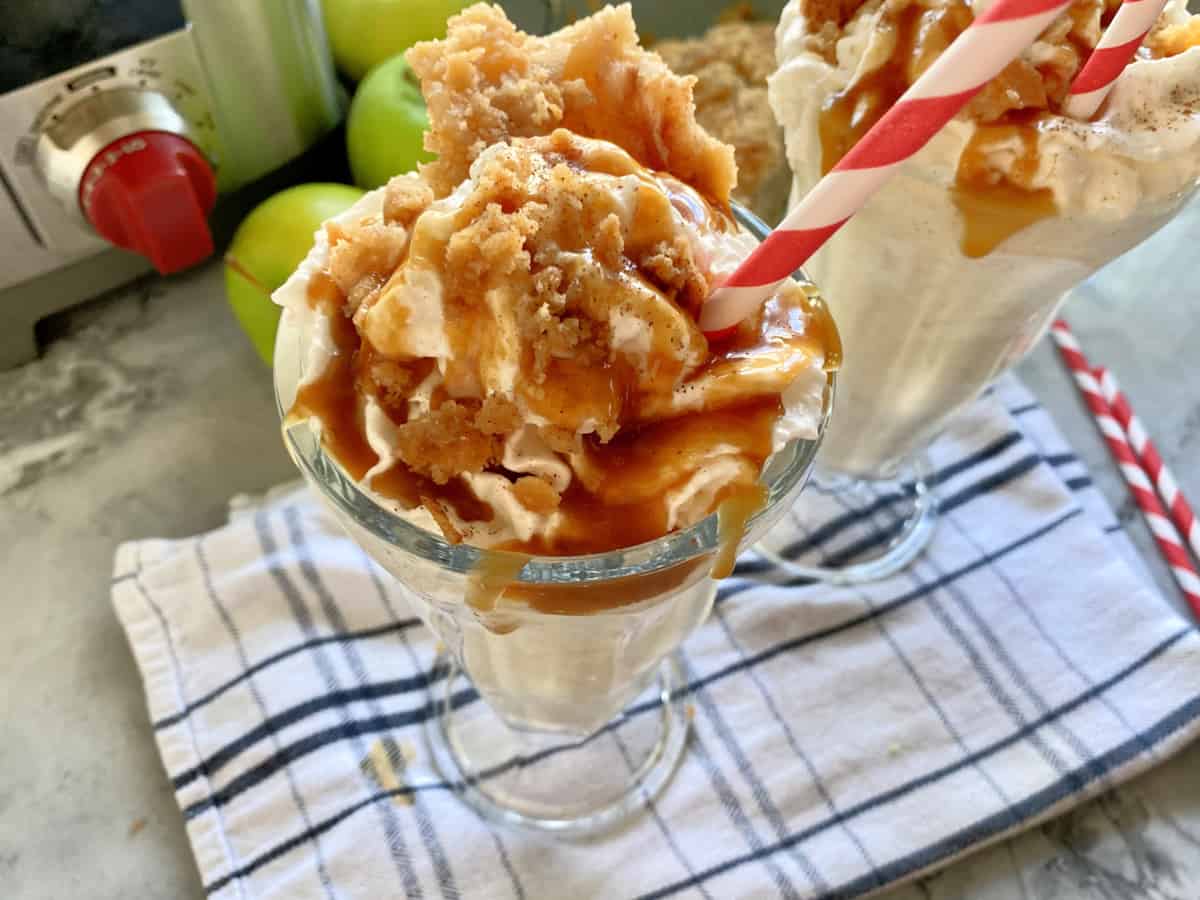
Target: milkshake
<point>516,365</point>
<point>952,272</point>
<point>492,371</point>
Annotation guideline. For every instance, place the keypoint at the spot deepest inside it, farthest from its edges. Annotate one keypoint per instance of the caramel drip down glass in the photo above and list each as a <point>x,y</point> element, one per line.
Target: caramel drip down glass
<point>564,708</point>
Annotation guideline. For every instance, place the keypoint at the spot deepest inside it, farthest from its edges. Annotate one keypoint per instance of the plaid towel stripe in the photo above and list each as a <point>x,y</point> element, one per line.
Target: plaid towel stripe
<point>844,738</point>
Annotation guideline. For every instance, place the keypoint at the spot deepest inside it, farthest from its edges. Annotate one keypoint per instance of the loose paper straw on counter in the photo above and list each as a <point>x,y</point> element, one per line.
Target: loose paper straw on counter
<point>1177,505</point>
<point>1170,544</point>
<point>1120,41</point>
<point>975,57</point>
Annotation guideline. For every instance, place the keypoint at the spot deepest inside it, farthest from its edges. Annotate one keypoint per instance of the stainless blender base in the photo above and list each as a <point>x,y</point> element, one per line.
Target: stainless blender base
<point>23,305</point>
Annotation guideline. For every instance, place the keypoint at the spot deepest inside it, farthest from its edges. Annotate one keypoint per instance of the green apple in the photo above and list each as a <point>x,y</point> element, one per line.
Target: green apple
<point>363,33</point>
<point>386,126</point>
<point>268,246</point>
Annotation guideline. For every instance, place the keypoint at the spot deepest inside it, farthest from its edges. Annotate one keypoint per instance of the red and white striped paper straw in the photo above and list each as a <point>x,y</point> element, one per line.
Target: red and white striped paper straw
<point>975,57</point>
<point>1120,41</point>
<point>1177,505</point>
<point>1170,544</point>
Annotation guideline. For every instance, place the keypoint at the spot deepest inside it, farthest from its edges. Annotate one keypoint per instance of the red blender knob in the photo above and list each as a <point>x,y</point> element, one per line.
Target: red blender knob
<point>151,192</point>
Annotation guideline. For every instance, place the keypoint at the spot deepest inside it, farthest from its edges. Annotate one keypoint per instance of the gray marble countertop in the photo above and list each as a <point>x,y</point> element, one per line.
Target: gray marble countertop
<point>149,410</point>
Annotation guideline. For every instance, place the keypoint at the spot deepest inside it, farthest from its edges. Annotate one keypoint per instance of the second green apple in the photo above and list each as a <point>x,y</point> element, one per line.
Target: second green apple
<point>363,33</point>
<point>386,125</point>
<point>268,246</point>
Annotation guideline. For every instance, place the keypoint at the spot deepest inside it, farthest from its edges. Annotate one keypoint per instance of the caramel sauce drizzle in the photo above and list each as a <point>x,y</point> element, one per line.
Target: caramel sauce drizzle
<point>626,504</point>
<point>333,397</point>
<point>993,205</point>
<point>824,330</point>
<point>994,209</point>
<point>586,599</point>
<point>336,399</point>
<point>850,113</point>
<point>496,572</point>
<point>732,516</point>
<point>622,501</point>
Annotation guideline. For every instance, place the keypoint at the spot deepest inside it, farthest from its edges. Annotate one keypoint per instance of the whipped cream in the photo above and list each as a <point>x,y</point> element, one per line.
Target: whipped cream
<point>924,327</point>
<point>524,451</point>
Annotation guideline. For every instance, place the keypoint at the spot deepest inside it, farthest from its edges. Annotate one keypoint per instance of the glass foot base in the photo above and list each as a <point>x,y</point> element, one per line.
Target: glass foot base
<point>566,784</point>
<point>846,530</point>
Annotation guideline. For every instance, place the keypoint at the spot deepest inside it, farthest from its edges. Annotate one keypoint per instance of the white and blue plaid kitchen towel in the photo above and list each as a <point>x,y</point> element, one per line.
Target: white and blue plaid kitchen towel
<point>844,739</point>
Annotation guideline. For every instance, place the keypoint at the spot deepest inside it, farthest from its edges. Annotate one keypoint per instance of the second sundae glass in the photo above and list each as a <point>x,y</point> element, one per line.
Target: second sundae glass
<point>955,269</point>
